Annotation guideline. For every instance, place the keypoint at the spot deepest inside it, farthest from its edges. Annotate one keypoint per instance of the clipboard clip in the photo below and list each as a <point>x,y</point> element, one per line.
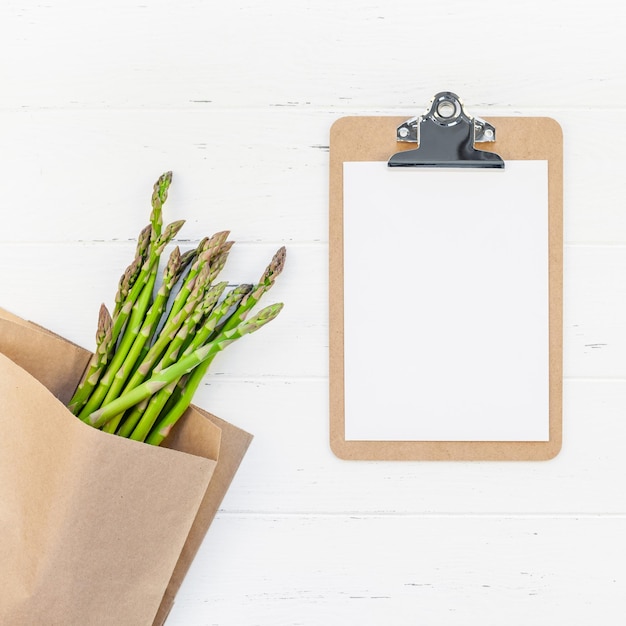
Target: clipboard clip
<point>446,135</point>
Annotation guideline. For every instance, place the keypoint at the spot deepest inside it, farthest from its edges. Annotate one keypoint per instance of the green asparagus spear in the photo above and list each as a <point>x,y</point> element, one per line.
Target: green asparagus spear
<point>170,357</point>
<point>153,351</point>
<point>147,414</point>
<point>137,337</point>
<point>206,250</point>
<point>97,364</point>
<point>121,351</point>
<point>185,365</point>
<point>159,196</point>
<point>128,278</point>
<point>163,427</point>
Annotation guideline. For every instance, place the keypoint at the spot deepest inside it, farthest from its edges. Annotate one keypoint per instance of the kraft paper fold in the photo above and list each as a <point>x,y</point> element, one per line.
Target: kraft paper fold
<point>94,528</point>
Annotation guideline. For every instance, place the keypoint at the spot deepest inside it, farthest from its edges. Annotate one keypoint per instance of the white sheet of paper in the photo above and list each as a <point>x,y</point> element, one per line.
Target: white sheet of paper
<point>446,303</point>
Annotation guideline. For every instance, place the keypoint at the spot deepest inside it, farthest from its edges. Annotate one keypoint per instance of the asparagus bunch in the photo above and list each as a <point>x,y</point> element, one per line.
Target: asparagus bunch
<point>153,351</point>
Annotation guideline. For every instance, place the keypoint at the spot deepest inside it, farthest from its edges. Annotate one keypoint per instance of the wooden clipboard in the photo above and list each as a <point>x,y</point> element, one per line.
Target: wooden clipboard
<point>361,138</point>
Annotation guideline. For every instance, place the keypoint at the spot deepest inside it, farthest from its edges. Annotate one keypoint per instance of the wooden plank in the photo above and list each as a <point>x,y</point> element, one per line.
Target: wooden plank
<point>146,54</point>
<point>87,175</point>
<point>311,570</point>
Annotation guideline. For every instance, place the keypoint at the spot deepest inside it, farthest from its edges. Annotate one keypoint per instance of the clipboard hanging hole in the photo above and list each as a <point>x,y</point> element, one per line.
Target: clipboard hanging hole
<point>446,109</point>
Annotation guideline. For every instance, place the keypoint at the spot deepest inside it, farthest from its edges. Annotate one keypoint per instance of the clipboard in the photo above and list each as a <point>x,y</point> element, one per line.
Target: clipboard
<point>444,142</point>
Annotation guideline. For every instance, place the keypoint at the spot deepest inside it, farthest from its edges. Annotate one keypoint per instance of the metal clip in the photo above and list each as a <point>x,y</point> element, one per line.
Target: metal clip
<point>445,135</point>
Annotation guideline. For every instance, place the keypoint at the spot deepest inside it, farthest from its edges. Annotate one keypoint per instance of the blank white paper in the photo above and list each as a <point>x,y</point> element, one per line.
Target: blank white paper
<point>446,329</point>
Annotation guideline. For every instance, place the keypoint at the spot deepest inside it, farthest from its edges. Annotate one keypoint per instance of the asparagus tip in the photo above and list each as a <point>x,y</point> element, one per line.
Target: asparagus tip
<point>276,266</point>
<point>263,317</point>
<point>104,324</point>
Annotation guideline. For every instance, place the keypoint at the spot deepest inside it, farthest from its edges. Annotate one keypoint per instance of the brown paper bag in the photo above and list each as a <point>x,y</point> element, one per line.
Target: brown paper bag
<point>94,528</point>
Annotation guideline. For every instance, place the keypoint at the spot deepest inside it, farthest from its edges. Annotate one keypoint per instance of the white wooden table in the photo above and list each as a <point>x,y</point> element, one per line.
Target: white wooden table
<point>237,98</point>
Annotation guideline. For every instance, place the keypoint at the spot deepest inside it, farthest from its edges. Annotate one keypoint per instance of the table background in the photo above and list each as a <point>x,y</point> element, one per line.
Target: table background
<point>237,98</point>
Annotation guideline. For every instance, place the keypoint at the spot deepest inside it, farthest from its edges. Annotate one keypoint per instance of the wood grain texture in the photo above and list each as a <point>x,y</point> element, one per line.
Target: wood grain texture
<point>237,99</point>
<point>405,570</point>
<point>156,54</point>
